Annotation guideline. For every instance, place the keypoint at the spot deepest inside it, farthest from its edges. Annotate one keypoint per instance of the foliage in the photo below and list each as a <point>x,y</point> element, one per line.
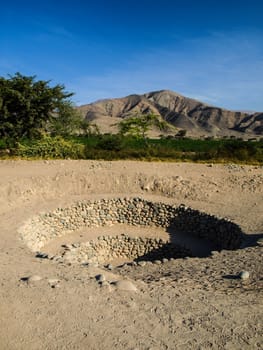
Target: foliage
<point>110,143</point>
<point>110,147</point>
<point>66,121</point>
<point>88,129</point>
<point>27,105</point>
<point>138,126</point>
<point>239,149</point>
<point>51,147</point>
<point>116,147</point>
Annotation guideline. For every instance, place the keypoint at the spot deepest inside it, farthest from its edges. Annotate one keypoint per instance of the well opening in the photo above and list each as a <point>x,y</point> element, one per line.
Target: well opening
<point>186,228</point>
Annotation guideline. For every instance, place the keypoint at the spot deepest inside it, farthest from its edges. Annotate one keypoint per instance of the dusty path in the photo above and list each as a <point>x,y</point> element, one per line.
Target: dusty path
<point>184,304</point>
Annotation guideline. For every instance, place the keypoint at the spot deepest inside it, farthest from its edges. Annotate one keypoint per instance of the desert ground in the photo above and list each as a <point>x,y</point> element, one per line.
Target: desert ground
<point>186,303</point>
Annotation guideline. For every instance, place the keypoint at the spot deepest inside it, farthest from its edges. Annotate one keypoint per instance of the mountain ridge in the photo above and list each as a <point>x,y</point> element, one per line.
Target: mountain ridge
<point>198,118</point>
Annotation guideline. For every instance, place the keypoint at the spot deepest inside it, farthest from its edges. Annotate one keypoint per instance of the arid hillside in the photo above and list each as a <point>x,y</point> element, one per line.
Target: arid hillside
<point>199,119</point>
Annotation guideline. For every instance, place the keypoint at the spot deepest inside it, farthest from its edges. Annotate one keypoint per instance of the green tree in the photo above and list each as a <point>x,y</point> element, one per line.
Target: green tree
<point>138,126</point>
<point>66,121</point>
<point>89,129</point>
<point>27,106</point>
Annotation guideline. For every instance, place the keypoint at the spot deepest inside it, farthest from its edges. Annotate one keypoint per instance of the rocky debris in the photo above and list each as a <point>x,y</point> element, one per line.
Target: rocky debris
<point>219,273</point>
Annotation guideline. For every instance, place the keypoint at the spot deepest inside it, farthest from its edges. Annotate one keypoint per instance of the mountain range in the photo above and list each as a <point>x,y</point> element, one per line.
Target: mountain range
<point>197,118</point>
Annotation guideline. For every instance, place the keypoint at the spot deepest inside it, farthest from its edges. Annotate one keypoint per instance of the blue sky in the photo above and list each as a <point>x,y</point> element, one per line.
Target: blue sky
<point>208,50</point>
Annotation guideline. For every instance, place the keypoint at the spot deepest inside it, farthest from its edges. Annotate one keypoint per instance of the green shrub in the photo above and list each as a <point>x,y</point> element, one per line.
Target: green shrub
<point>110,142</point>
<point>3,144</point>
<point>114,147</point>
<point>51,147</point>
<point>239,150</point>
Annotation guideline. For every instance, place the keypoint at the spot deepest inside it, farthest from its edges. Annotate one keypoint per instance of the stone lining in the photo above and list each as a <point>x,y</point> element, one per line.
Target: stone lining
<point>41,229</point>
<point>107,248</point>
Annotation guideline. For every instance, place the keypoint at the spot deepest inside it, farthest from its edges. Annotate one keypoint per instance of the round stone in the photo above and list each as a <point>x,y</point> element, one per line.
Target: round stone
<point>100,278</point>
<point>244,275</point>
<point>110,267</point>
<point>34,278</point>
<point>53,282</point>
<point>125,285</point>
<point>157,262</point>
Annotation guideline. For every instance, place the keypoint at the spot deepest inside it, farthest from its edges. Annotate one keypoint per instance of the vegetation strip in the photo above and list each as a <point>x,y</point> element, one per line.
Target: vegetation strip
<point>39,121</point>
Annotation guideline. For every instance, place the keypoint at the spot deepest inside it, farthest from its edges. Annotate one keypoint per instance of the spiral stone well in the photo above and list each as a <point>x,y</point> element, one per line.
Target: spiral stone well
<point>136,212</point>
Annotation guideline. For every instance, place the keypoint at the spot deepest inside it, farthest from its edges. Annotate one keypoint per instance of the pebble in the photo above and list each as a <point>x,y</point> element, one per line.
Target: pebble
<point>100,278</point>
<point>157,262</point>
<point>142,263</point>
<point>53,282</point>
<point>260,242</point>
<point>125,285</point>
<point>34,278</point>
<point>244,275</point>
<point>41,255</point>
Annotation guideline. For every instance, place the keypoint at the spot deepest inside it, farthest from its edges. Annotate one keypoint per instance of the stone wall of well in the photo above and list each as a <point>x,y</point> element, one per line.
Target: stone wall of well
<point>107,248</point>
<point>41,229</point>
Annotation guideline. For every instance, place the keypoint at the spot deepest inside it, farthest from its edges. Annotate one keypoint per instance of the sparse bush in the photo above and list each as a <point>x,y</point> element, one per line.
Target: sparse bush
<point>51,147</point>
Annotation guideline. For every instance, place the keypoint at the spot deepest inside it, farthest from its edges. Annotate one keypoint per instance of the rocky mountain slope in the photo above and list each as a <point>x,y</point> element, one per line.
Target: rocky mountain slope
<point>199,119</point>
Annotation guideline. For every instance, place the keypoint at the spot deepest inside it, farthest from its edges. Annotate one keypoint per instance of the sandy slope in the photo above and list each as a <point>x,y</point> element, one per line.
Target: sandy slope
<point>183,304</point>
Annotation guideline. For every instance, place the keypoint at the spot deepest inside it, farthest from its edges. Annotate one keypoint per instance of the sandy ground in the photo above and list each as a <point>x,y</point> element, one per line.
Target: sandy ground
<point>193,303</point>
